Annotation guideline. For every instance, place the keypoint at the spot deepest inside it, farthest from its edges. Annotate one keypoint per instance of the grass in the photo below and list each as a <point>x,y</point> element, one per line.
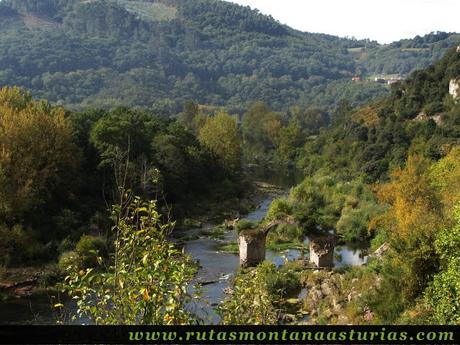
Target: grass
<point>280,247</point>
<point>150,11</point>
<point>356,50</point>
<point>414,49</point>
<point>216,233</point>
<point>229,248</point>
<point>275,247</point>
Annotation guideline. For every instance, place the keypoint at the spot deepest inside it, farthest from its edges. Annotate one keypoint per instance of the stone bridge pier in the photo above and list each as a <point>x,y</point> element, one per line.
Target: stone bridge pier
<point>252,244</point>
<point>322,250</point>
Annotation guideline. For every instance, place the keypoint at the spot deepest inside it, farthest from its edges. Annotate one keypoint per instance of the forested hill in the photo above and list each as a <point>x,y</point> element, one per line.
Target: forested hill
<point>162,53</point>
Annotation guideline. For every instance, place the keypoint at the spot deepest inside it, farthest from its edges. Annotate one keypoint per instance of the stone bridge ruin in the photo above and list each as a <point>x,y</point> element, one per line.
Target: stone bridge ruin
<point>252,246</point>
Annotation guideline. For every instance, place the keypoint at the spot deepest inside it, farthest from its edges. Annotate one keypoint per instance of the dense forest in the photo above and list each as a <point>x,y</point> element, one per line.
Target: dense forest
<point>163,53</point>
<point>127,125</point>
<point>386,173</point>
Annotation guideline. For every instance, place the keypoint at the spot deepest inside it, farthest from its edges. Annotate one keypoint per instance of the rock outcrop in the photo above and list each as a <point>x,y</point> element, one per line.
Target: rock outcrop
<point>378,254</point>
<point>454,88</point>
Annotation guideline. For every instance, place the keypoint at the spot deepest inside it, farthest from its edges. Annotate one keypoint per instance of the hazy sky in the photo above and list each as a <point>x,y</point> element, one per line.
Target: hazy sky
<point>381,20</point>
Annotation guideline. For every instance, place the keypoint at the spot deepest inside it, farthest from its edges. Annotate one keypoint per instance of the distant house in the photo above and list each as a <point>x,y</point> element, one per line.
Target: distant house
<point>356,79</point>
<point>458,49</point>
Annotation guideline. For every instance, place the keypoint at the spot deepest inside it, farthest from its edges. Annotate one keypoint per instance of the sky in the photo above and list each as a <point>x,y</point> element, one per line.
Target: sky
<point>382,20</point>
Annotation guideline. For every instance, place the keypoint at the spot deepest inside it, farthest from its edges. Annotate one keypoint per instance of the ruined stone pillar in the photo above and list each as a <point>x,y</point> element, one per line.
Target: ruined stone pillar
<point>322,250</point>
<point>252,248</point>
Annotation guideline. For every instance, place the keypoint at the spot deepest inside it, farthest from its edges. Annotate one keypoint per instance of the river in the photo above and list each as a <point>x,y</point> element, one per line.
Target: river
<point>217,269</point>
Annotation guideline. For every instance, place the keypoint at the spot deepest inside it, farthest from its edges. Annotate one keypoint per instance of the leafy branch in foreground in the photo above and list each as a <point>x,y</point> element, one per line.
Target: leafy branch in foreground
<point>144,282</point>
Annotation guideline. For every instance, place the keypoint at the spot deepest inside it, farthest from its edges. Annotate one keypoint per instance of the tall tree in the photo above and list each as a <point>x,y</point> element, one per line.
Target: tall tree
<point>220,135</point>
<point>38,158</point>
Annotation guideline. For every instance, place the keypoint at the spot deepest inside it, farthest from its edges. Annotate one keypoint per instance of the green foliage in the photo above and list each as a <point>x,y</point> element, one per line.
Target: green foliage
<point>354,221</point>
<point>443,295</point>
<point>244,224</point>
<point>417,277</point>
<point>146,280</point>
<point>94,53</point>
<point>19,246</point>
<point>220,135</point>
<point>279,209</point>
<point>286,233</point>
<point>69,260</point>
<point>387,301</point>
<point>33,171</point>
<point>329,202</point>
<point>281,282</point>
<point>257,296</point>
<point>136,147</point>
<point>89,248</point>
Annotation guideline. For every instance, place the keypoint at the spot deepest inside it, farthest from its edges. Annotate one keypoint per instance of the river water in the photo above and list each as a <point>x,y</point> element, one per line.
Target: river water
<point>217,270</point>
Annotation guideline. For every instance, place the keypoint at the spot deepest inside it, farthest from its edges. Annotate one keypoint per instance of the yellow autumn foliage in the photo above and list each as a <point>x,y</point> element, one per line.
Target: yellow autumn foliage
<point>37,154</point>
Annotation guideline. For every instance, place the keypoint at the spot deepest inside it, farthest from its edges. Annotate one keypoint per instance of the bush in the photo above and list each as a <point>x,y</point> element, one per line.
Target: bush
<point>279,209</point>
<point>352,225</point>
<point>433,108</point>
<point>283,282</point>
<point>65,245</point>
<point>69,261</point>
<point>20,247</point>
<point>245,225</point>
<point>251,303</point>
<point>89,248</point>
<point>286,233</point>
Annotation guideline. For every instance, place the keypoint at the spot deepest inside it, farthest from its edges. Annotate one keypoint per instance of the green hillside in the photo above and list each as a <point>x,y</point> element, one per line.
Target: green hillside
<point>162,53</point>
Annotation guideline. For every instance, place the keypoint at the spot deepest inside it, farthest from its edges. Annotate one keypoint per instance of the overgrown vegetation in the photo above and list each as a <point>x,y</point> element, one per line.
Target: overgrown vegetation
<point>145,280</point>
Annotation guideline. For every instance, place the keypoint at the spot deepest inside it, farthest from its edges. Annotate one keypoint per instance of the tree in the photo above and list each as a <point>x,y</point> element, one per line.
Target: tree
<point>413,219</point>
<point>290,140</point>
<point>443,294</point>
<point>261,129</point>
<point>220,135</point>
<point>252,302</point>
<point>187,117</point>
<point>123,139</point>
<point>144,282</point>
<point>446,178</point>
<point>38,158</point>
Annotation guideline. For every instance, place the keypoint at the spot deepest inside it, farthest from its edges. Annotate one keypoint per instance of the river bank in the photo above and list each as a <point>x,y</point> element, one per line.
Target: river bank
<point>204,243</point>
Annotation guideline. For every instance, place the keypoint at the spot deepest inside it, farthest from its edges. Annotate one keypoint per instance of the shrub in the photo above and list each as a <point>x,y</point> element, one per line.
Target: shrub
<point>89,248</point>
<point>279,209</point>
<point>251,303</point>
<point>443,294</point>
<point>19,246</point>
<point>149,281</point>
<point>285,233</point>
<point>433,108</point>
<point>245,225</point>
<point>68,261</point>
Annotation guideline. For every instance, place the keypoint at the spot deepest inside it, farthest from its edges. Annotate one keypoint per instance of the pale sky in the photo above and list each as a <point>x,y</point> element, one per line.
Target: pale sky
<point>382,20</point>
